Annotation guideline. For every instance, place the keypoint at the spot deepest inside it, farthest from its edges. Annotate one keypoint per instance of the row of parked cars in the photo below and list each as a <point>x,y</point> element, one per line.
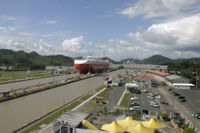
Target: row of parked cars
<point>181,98</point>
<point>134,105</point>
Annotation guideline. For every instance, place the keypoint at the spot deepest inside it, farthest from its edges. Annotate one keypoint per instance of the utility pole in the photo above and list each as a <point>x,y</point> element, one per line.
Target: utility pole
<point>197,78</point>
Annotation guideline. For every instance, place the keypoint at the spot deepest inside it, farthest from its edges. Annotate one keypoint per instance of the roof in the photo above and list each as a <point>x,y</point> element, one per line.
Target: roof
<point>81,130</point>
<point>131,85</point>
<point>99,97</point>
<point>171,77</point>
<point>182,84</point>
<point>144,75</point>
<point>71,118</point>
<point>159,73</point>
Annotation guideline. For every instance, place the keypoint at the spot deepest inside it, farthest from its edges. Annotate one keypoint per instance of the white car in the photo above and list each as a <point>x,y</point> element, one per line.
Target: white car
<point>144,90</point>
<point>158,96</point>
<point>154,104</point>
<point>133,107</point>
<point>151,97</point>
<point>134,98</point>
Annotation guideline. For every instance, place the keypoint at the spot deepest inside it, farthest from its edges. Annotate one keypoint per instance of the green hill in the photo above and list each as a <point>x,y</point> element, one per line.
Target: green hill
<point>23,60</point>
<point>158,60</point>
<point>155,59</point>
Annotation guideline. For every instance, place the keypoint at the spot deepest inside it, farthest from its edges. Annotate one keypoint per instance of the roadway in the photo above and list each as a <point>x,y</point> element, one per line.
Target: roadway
<point>32,82</point>
<point>18,112</point>
<point>185,108</point>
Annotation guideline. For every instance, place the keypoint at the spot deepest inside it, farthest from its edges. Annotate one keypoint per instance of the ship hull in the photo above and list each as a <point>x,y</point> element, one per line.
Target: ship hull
<point>91,68</point>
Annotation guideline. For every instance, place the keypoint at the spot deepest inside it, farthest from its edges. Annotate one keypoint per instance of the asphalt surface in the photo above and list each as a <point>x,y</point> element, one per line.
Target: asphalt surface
<point>32,82</point>
<point>184,108</point>
<point>144,102</point>
<point>114,96</point>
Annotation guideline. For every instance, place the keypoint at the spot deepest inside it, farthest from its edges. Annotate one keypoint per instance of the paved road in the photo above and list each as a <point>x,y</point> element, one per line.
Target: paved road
<point>114,96</point>
<point>27,83</point>
<point>17,112</point>
<point>180,107</point>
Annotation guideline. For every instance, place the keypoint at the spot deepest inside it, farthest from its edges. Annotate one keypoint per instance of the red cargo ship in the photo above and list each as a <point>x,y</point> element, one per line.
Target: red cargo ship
<point>91,64</point>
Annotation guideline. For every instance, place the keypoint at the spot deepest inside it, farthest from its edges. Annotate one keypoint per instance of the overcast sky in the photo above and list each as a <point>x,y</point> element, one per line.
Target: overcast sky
<point>114,28</point>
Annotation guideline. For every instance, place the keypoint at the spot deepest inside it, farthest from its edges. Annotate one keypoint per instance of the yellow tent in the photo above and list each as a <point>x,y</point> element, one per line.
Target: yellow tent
<point>153,124</point>
<point>128,122</point>
<point>140,129</point>
<point>113,127</point>
<point>89,125</point>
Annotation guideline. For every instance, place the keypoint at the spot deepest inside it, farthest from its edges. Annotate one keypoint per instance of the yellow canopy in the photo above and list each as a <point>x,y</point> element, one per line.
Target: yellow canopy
<point>153,124</point>
<point>113,127</point>
<point>128,122</point>
<point>140,129</point>
<point>89,125</point>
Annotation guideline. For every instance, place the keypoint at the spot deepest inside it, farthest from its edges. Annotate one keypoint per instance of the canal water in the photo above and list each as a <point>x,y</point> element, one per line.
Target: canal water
<point>18,112</point>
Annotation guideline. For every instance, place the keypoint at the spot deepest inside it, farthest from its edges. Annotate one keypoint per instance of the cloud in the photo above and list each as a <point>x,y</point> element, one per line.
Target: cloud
<point>9,18</point>
<point>73,44</point>
<point>7,29</point>
<point>28,34</point>
<point>172,38</point>
<point>48,22</point>
<point>161,8</point>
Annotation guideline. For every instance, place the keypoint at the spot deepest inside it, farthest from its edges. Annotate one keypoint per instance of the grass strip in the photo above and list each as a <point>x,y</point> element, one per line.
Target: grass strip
<point>100,88</point>
<point>125,100</point>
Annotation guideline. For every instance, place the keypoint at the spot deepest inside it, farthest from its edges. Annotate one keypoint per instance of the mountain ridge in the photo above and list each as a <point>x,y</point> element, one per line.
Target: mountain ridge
<point>33,60</point>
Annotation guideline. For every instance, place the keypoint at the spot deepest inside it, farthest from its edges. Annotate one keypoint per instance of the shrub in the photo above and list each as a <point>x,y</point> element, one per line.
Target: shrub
<point>184,126</point>
<point>164,115</point>
<point>188,130</point>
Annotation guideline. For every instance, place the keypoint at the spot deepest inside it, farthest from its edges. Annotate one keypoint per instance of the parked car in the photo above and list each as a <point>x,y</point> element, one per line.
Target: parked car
<point>198,115</point>
<point>134,108</point>
<point>183,100</point>
<point>144,111</point>
<point>134,104</point>
<point>163,102</point>
<point>170,89</point>
<point>134,98</point>
<point>151,97</point>
<point>150,94</point>
<point>154,104</point>
<point>176,94</point>
<point>181,97</point>
<point>158,96</point>
<point>144,90</point>
<point>138,92</point>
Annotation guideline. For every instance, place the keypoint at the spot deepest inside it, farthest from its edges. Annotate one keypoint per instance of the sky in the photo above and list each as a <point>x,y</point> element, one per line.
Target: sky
<point>117,29</point>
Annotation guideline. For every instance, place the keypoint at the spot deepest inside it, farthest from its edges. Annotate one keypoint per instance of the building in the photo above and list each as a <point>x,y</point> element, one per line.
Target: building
<point>159,76</point>
<point>186,86</point>
<point>132,87</point>
<point>176,79</point>
<point>69,122</point>
<point>147,80</point>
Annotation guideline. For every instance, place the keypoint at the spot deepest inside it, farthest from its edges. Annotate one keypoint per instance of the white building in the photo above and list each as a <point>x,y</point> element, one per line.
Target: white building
<point>187,86</point>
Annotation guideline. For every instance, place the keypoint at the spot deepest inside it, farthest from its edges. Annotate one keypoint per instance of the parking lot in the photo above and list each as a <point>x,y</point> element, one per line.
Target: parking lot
<point>145,101</point>
<point>188,108</point>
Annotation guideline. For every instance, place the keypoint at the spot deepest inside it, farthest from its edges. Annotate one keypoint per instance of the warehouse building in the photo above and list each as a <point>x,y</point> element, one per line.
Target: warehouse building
<point>176,79</point>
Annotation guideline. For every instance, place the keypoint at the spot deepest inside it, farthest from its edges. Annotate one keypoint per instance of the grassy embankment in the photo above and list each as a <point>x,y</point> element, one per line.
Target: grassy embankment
<point>57,114</point>
<point>125,100</point>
